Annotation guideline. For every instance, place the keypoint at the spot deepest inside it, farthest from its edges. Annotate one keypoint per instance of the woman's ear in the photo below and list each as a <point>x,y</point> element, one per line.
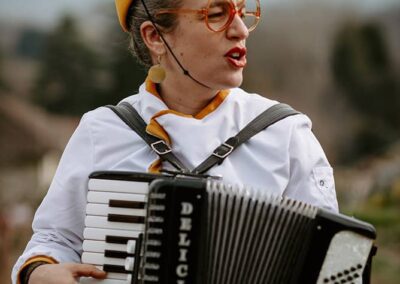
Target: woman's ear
<point>152,39</point>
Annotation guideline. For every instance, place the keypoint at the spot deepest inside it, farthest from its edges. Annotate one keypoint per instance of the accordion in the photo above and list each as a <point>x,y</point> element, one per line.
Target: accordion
<point>145,228</point>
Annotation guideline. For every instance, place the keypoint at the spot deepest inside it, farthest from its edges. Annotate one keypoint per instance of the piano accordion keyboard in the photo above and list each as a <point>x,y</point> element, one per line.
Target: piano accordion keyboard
<point>115,216</point>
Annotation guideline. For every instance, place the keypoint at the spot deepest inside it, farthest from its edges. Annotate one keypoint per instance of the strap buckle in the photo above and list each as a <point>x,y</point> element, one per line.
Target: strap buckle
<point>223,151</point>
<point>160,147</point>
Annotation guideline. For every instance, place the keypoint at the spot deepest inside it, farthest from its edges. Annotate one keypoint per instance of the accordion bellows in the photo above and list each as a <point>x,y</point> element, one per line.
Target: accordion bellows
<point>203,231</point>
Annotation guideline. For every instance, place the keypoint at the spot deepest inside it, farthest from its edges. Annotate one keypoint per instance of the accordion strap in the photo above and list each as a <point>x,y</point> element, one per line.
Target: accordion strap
<point>132,118</point>
<point>270,116</point>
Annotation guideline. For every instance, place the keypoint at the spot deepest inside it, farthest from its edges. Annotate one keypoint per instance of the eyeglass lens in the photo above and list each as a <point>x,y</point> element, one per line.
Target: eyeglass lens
<point>221,13</point>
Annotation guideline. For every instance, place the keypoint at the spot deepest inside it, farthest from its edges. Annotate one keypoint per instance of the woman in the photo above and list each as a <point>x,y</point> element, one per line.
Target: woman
<point>194,107</point>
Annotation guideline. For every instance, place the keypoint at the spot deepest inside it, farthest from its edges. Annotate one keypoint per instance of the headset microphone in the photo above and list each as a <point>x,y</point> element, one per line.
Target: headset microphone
<point>185,71</point>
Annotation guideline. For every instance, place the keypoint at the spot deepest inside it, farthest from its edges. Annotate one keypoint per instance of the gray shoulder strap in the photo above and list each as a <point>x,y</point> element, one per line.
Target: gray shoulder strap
<point>132,118</point>
<point>262,121</point>
<point>270,116</point>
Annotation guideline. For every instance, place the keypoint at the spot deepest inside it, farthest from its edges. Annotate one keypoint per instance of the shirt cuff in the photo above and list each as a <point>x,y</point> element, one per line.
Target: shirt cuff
<point>37,258</point>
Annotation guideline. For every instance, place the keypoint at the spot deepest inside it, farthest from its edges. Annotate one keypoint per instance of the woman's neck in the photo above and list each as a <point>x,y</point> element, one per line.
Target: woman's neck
<point>187,97</point>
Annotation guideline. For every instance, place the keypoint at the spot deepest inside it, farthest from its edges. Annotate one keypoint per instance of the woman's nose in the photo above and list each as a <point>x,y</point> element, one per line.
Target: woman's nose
<point>238,29</point>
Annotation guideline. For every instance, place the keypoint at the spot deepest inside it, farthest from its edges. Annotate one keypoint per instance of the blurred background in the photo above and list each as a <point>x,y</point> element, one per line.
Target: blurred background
<point>337,61</point>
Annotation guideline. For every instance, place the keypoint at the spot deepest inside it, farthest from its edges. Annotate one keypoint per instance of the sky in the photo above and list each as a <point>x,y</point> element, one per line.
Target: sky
<point>43,12</point>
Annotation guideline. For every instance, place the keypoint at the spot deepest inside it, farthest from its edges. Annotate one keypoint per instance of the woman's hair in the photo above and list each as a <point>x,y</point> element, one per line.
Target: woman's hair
<point>137,16</point>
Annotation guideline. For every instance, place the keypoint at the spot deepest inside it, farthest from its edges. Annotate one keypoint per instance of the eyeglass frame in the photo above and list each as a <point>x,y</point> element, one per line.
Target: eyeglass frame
<point>204,12</point>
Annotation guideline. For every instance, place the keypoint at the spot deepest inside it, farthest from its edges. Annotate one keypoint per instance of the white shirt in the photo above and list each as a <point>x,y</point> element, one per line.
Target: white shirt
<point>285,159</point>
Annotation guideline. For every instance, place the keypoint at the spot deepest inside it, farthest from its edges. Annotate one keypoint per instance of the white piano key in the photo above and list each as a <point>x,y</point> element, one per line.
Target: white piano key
<point>105,197</point>
<point>113,275</point>
<point>119,186</point>
<point>101,222</point>
<point>100,259</point>
<point>101,246</point>
<point>100,234</point>
<point>103,210</point>
<point>129,263</point>
<point>130,247</point>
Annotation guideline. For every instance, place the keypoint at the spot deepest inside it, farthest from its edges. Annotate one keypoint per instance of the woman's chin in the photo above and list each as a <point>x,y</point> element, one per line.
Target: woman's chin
<point>227,82</point>
<point>233,81</point>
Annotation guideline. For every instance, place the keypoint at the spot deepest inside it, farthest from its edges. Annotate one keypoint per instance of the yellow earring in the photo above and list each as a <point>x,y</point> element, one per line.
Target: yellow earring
<point>157,73</point>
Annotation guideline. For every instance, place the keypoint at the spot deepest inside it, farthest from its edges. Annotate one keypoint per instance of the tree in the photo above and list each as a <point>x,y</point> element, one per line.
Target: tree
<point>125,73</point>
<point>30,43</point>
<point>362,68</point>
<point>69,76</point>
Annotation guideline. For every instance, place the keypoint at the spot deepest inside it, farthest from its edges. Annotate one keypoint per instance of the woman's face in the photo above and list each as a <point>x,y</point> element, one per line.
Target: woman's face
<point>216,59</point>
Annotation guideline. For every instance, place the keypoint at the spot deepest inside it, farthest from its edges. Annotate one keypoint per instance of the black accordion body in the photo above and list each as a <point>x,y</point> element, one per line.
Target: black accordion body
<point>144,228</point>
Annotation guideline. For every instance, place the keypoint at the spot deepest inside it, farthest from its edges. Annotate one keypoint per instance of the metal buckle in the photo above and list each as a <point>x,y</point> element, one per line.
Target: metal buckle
<point>159,151</point>
<point>223,156</point>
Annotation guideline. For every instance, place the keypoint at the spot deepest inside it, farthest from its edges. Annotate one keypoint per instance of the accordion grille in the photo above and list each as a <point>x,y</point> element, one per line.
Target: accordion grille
<point>253,237</point>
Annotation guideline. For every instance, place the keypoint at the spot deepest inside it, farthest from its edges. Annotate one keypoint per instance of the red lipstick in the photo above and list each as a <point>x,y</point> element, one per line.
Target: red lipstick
<point>237,57</point>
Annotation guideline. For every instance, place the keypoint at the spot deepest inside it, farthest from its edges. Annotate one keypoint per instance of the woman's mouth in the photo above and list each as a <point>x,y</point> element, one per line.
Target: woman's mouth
<point>237,57</point>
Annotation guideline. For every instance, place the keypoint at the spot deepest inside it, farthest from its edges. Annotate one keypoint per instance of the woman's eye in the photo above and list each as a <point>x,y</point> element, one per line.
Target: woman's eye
<point>216,15</point>
<point>219,11</point>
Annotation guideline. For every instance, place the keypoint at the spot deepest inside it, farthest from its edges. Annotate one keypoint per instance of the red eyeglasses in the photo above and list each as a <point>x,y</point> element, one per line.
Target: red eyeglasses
<point>219,14</point>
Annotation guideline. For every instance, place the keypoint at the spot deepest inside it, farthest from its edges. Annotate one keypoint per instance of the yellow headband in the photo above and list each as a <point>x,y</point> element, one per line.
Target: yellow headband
<point>122,11</point>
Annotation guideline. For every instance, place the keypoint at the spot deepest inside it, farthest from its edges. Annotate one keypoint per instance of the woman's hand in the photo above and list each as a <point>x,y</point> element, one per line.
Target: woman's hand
<point>66,273</point>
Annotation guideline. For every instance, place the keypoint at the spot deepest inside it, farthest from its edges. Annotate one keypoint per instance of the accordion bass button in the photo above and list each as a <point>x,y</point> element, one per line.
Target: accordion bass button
<point>130,247</point>
<point>129,262</point>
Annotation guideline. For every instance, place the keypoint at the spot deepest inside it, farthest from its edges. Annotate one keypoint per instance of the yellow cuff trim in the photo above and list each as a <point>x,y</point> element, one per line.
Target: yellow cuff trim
<point>155,167</point>
<point>36,258</point>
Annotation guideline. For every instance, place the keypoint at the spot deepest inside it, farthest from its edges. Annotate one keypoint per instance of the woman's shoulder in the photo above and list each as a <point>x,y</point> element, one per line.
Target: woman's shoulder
<point>104,114</point>
<point>253,104</point>
<point>249,98</point>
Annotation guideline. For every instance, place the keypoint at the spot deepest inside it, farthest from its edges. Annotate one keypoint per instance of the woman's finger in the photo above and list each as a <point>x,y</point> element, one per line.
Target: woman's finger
<point>87,270</point>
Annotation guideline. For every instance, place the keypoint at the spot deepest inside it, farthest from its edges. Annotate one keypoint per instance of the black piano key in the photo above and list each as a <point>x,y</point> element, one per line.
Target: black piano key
<point>136,268</point>
<point>119,240</point>
<point>126,204</point>
<point>117,254</point>
<point>114,268</point>
<point>125,218</point>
